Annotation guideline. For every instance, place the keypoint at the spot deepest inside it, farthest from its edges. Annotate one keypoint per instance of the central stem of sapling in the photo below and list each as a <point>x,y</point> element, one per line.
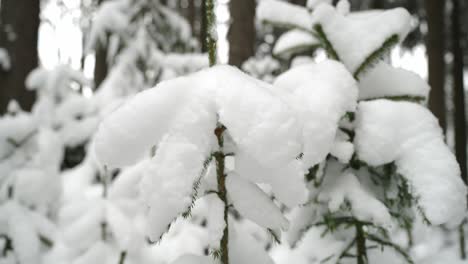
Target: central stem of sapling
<point>222,193</point>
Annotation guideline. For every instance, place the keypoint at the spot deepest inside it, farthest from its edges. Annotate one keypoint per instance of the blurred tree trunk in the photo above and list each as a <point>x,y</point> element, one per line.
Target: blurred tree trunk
<point>203,24</point>
<point>241,35</point>
<point>435,52</point>
<point>379,4</point>
<point>458,90</point>
<point>19,22</point>
<point>191,15</point>
<point>459,103</point>
<point>299,2</point>
<point>100,67</point>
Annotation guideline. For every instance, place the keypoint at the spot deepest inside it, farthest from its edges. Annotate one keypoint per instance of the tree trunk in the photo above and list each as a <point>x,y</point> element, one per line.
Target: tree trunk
<point>203,25</point>
<point>458,89</point>
<point>459,103</point>
<point>100,66</point>
<point>19,36</point>
<point>241,34</point>
<point>299,2</point>
<point>435,51</point>
<point>191,15</point>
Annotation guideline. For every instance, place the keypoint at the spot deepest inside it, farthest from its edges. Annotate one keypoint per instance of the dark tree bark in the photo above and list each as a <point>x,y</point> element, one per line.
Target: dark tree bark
<point>459,103</point>
<point>458,89</point>
<point>435,51</point>
<point>191,15</point>
<point>241,35</point>
<point>203,25</point>
<point>19,27</point>
<point>299,2</point>
<point>100,66</point>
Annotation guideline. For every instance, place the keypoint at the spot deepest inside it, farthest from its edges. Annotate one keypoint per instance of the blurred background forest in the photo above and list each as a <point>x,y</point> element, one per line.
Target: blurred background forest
<point>49,33</point>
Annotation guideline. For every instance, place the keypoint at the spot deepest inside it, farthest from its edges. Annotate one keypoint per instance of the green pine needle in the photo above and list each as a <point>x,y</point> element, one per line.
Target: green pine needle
<point>326,44</point>
<point>375,56</point>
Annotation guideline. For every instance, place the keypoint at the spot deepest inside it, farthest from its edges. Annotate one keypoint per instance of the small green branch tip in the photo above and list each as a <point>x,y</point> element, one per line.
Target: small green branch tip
<point>375,56</point>
<point>326,44</point>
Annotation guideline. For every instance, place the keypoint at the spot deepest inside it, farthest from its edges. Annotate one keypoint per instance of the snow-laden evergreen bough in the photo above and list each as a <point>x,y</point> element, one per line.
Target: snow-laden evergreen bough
<point>204,116</point>
<point>388,163</point>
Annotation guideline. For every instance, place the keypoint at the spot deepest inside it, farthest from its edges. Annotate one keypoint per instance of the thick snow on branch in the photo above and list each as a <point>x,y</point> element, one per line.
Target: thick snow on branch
<point>111,17</point>
<point>340,186</point>
<point>15,131</point>
<point>17,224</point>
<point>385,81</point>
<point>254,204</point>
<point>244,248</point>
<point>194,259</point>
<point>256,122</point>
<point>321,94</point>
<point>55,81</point>
<point>210,209</point>
<point>294,41</point>
<point>168,185</point>
<point>284,14</point>
<point>409,134</point>
<point>287,181</point>
<point>179,117</point>
<point>356,37</point>
<point>184,63</point>
<point>311,4</point>
<point>77,119</point>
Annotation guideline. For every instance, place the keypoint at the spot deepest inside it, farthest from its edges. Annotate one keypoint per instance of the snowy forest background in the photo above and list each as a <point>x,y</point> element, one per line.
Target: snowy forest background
<point>241,131</point>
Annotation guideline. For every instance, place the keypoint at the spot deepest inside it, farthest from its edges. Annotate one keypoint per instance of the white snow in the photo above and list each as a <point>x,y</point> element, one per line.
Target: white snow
<point>18,225</point>
<point>98,253</point>
<point>54,81</point>
<point>211,209</point>
<point>194,259</point>
<point>321,94</point>
<point>77,119</point>
<point>294,41</point>
<point>111,17</point>
<point>254,204</point>
<point>263,68</point>
<point>311,4</point>
<point>255,123</point>
<point>355,39</point>
<point>185,63</point>
<point>82,220</point>
<point>340,186</point>
<point>384,80</point>
<point>342,149</point>
<point>409,134</point>
<point>243,248</point>
<point>167,185</point>
<point>343,7</point>
<point>301,219</point>
<point>15,130</point>
<point>287,181</point>
<point>284,14</point>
